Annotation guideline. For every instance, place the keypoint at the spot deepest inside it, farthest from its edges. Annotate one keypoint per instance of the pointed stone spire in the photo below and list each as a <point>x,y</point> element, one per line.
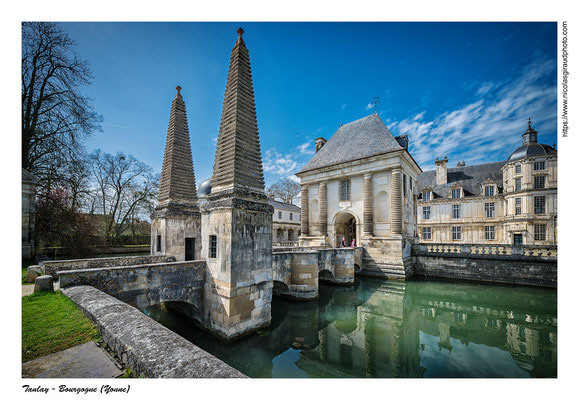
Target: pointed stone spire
<point>238,163</point>
<point>178,176</point>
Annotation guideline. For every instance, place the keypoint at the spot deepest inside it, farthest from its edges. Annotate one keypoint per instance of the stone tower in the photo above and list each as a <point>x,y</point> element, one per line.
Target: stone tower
<point>176,222</point>
<point>237,219</point>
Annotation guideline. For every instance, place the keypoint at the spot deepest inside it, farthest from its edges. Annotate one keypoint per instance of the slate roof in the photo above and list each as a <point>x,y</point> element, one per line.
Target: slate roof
<point>278,205</point>
<point>470,177</point>
<point>531,150</point>
<point>363,138</point>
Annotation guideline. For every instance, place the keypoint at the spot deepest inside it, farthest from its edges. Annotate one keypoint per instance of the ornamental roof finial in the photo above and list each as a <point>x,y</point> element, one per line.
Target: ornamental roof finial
<point>178,90</point>
<point>530,122</point>
<point>240,33</point>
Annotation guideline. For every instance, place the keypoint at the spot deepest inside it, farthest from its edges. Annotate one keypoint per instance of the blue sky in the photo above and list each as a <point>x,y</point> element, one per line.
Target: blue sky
<point>462,90</point>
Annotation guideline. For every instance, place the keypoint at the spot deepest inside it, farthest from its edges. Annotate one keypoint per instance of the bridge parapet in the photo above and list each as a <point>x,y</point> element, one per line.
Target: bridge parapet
<point>145,285</point>
<point>54,267</point>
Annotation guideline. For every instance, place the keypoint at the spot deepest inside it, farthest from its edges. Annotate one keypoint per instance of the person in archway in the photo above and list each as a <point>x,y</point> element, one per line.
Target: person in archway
<point>343,242</point>
<point>353,244</point>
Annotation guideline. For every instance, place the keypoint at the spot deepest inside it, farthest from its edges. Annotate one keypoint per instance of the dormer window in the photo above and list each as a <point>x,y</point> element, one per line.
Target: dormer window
<point>489,191</point>
<point>538,165</point>
<point>455,193</point>
<point>518,169</point>
<point>426,196</point>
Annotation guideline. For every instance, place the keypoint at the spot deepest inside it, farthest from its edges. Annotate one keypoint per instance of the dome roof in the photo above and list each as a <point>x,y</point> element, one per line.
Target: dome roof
<point>531,150</point>
<point>204,188</point>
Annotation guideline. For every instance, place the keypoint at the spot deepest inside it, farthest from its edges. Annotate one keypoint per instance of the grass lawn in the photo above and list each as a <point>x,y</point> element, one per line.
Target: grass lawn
<point>51,322</point>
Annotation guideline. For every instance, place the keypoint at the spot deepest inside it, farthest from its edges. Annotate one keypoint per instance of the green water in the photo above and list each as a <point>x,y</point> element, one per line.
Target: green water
<point>377,328</point>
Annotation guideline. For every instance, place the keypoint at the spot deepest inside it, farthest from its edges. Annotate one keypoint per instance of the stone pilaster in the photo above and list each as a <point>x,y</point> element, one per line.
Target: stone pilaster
<point>396,202</point>
<point>368,208</point>
<point>323,210</point>
<point>305,213</point>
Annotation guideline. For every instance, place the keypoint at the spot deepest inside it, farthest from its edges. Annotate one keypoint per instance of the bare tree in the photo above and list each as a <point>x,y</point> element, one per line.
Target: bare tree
<point>285,189</point>
<point>125,190</point>
<point>56,116</point>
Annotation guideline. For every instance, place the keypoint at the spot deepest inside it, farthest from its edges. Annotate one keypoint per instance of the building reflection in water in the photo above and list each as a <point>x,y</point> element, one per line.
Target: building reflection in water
<point>397,329</point>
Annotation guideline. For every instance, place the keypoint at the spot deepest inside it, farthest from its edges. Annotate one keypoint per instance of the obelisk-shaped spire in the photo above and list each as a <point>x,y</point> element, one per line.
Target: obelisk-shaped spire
<point>238,155</point>
<point>178,176</point>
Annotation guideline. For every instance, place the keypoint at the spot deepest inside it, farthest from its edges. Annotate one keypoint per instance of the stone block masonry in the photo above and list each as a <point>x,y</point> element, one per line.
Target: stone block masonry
<point>54,267</point>
<point>145,285</point>
<point>147,347</point>
<point>516,265</point>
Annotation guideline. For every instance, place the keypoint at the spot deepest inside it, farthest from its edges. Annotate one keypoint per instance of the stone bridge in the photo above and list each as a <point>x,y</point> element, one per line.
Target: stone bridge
<point>144,285</point>
<point>296,274</point>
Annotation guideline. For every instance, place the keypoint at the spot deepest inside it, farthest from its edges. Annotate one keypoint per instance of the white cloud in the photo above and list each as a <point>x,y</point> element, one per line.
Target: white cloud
<point>491,126</point>
<point>369,106</point>
<point>343,106</point>
<point>279,164</point>
<point>294,178</point>
<point>304,148</point>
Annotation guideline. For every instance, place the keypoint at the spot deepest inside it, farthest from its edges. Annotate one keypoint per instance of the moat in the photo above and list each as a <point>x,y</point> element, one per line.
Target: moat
<point>382,329</point>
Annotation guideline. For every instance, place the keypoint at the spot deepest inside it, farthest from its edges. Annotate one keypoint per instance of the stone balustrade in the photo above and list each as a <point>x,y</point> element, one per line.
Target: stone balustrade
<point>546,251</point>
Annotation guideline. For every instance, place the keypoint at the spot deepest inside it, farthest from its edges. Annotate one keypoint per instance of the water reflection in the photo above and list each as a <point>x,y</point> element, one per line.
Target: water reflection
<point>395,329</point>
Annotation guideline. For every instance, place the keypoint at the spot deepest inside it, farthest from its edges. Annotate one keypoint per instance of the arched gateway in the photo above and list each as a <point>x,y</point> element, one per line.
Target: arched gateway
<point>345,227</point>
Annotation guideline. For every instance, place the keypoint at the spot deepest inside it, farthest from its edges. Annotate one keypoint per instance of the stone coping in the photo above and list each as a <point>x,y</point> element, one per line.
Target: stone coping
<point>54,267</point>
<point>193,263</point>
<point>147,347</point>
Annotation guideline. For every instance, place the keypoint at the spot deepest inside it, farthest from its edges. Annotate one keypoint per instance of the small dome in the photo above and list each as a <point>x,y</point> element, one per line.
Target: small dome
<point>531,150</point>
<point>204,188</point>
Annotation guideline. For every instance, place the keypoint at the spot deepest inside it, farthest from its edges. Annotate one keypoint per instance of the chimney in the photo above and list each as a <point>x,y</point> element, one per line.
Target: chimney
<point>460,164</point>
<point>320,142</point>
<point>441,176</point>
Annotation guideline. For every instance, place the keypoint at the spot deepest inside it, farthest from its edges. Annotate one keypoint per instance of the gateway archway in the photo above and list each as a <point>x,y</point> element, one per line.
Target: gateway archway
<point>345,227</point>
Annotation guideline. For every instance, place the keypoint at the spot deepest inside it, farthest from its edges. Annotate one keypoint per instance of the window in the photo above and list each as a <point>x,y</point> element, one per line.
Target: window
<point>489,233</point>
<point>539,204</point>
<point>490,210</point>
<point>426,196</point>
<point>158,243</point>
<point>427,233</point>
<point>518,206</point>
<point>404,183</point>
<point>539,166</point>
<point>518,169</point>
<point>291,216</point>
<point>345,190</point>
<point>456,193</point>
<point>456,211</point>
<point>279,214</point>
<point>540,232</point>
<point>489,191</point>
<point>212,246</point>
<point>456,233</point>
<point>425,212</point>
<point>539,182</point>
<point>518,185</point>
<point>410,183</point>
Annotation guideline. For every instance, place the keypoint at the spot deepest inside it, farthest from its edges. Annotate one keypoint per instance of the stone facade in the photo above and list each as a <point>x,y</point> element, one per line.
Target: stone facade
<point>508,202</point>
<point>286,223</point>
<point>29,183</point>
<point>368,196</point>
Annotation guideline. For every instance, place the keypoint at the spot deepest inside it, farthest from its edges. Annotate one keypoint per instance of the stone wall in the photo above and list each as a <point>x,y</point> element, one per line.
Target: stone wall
<point>145,285</point>
<point>518,265</point>
<point>53,267</point>
<point>147,347</point>
<point>296,274</point>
